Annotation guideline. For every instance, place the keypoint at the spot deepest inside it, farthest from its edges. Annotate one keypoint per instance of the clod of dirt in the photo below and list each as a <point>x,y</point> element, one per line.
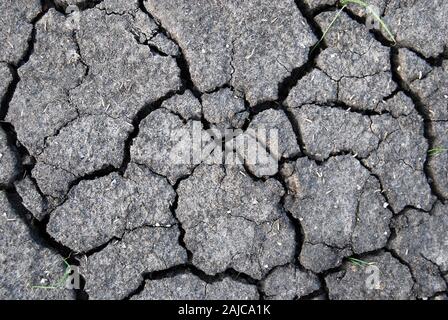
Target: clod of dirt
<point>116,271</point>
<point>341,210</point>
<point>184,105</point>
<point>393,280</point>
<point>421,25</point>
<point>326,131</point>
<point>232,221</point>
<point>411,67</point>
<point>16,18</point>
<point>224,109</point>
<point>164,144</point>
<point>137,199</point>
<point>124,77</point>
<point>189,287</point>
<point>38,205</point>
<point>251,46</point>
<point>422,241</point>
<point>89,92</point>
<point>26,262</point>
<point>6,79</point>
<point>40,105</point>
<point>288,283</point>
<point>9,161</point>
<point>399,163</point>
<point>433,91</point>
<point>438,161</point>
<point>80,149</point>
<point>315,87</point>
<point>359,63</point>
<point>275,138</point>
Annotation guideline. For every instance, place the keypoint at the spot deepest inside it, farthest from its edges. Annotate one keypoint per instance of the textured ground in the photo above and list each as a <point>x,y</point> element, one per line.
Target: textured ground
<point>88,98</point>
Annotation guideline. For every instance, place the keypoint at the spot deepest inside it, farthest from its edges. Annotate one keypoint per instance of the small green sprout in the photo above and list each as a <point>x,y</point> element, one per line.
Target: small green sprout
<point>437,151</point>
<point>60,284</point>
<point>360,263</point>
<point>365,5</point>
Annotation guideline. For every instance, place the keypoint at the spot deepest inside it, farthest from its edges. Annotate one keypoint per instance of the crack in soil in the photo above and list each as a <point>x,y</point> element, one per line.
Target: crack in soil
<point>422,110</point>
<point>284,88</point>
<point>190,268</point>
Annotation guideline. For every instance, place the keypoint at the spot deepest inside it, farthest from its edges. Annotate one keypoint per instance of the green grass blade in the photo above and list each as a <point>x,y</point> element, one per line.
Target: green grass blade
<point>437,151</point>
<point>384,26</point>
<point>329,27</point>
<point>359,263</point>
<point>66,263</point>
<point>60,282</point>
<point>360,2</point>
<point>45,287</point>
<point>355,263</point>
<point>376,16</point>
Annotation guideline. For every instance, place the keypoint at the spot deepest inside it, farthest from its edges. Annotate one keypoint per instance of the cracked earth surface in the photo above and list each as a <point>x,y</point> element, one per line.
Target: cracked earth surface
<point>89,98</point>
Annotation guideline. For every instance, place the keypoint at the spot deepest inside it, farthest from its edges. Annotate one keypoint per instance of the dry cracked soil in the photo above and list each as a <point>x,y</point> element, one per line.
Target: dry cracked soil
<point>90,91</point>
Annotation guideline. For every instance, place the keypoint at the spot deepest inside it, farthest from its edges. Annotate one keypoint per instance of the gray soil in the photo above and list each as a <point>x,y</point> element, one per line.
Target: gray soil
<point>90,91</point>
